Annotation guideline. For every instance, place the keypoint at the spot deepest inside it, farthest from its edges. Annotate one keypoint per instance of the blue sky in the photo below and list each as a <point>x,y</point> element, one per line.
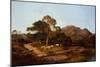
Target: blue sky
<point>25,13</point>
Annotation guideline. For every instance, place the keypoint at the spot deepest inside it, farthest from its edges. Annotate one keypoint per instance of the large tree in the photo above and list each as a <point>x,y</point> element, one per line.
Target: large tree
<point>47,26</point>
<point>41,27</point>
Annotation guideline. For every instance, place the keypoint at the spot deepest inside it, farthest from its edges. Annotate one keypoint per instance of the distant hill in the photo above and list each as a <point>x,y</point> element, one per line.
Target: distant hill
<point>77,34</point>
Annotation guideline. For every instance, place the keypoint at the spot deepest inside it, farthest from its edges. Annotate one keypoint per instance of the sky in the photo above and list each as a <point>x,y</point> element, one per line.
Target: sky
<point>25,13</point>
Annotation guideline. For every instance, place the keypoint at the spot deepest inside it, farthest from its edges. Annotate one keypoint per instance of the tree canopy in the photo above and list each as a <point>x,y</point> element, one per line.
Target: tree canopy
<point>39,26</point>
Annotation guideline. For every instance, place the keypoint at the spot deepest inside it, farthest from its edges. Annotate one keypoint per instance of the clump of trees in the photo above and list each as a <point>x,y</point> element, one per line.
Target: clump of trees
<point>47,32</point>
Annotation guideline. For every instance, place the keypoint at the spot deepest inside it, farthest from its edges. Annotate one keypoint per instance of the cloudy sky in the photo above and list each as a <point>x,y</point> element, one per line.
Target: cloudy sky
<point>25,13</point>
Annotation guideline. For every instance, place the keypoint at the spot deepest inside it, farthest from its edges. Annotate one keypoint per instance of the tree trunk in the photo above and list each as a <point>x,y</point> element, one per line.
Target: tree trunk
<point>47,41</point>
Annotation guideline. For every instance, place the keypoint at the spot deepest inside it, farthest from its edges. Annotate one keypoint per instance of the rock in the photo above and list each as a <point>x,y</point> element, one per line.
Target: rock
<point>90,41</point>
<point>77,34</point>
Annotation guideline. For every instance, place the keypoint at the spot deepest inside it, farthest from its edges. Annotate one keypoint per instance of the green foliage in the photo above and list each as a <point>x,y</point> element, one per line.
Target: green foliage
<point>39,26</point>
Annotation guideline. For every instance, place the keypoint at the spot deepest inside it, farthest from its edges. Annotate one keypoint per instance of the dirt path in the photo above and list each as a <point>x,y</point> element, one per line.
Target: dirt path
<point>35,50</point>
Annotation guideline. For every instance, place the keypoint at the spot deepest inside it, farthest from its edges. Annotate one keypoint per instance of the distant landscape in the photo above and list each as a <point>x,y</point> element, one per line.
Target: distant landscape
<point>47,43</point>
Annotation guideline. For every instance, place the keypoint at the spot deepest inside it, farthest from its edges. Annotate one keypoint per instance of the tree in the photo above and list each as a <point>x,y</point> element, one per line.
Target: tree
<point>41,27</point>
<point>14,32</point>
<point>46,26</point>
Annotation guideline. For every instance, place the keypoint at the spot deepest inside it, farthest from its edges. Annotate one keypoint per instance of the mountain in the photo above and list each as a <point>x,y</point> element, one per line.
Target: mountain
<point>78,35</point>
